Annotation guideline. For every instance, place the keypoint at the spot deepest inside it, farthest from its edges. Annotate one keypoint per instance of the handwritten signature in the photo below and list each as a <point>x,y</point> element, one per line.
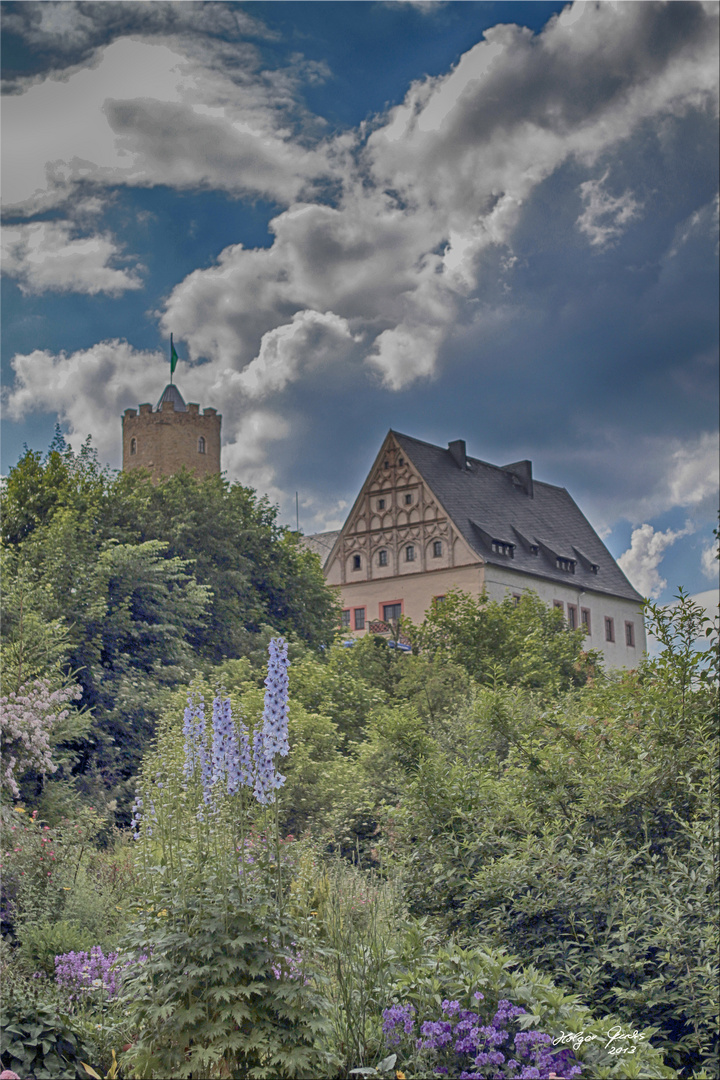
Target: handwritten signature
<point>617,1041</point>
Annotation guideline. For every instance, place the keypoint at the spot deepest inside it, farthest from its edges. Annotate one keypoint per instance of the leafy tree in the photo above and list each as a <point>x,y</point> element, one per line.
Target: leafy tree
<point>519,643</point>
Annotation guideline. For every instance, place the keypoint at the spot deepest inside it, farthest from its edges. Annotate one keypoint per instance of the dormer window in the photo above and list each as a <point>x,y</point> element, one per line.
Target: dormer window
<point>534,549</point>
<point>502,547</point>
<point>133,446</point>
<point>201,445</point>
<point>382,557</point>
<point>356,562</point>
<point>568,565</point>
<point>381,504</point>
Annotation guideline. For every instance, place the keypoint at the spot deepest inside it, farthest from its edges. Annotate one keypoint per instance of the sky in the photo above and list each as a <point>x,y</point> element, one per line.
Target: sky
<point>489,221</point>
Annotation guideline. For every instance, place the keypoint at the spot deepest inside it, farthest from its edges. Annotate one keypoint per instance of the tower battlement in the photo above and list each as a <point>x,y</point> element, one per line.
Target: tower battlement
<point>173,435</point>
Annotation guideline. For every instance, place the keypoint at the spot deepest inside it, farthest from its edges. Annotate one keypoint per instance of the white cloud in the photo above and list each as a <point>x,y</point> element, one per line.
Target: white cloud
<point>709,561</point>
<point>405,354</point>
<point>43,255</point>
<point>641,561</point>
<point>605,216</point>
<point>156,113</point>
<point>443,179</point>
<point>310,341</point>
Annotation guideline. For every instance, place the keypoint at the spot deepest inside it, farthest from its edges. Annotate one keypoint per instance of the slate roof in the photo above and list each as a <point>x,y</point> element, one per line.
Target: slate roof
<point>321,543</point>
<point>490,503</point>
<point>171,393</point>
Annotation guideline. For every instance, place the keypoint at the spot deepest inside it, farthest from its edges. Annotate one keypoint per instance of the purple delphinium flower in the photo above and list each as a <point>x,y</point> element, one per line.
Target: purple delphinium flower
<point>393,1017</point>
<point>275,711</point>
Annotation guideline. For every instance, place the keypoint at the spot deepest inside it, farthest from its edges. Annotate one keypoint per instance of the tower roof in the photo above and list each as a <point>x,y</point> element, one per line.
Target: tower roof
<point>171,393</point>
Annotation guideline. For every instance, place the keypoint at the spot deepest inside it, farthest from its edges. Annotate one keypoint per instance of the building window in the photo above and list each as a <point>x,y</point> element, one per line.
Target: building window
<point>401,461</point>
<point>201,445</point>
<point>609,629</point>
<point>356,562</point>
<point>408,500</point>
<point>516,598</point>
<point>559,604</point>
<point>437,549</point>
<point>410,553</point>
<point>630,635</point>
<point>438,599</point>
<point>345,618</point>
<point>386,464</point>
<point>391,612</point>
<point>572,616</point>
<point>133,446</point>
<point>501,547</point>
<point>568,565</point>
<point>585,620</point>
<point>534,549</point>
<point>381,504</point>
<point>359,618</point>
<point>382,557</point>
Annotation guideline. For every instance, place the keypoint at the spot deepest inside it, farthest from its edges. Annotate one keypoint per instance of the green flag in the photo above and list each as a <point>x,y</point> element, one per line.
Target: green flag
<point>173,357</point>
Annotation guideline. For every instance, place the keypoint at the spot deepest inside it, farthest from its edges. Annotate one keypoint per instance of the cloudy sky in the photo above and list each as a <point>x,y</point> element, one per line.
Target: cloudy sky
<point>489,221</point>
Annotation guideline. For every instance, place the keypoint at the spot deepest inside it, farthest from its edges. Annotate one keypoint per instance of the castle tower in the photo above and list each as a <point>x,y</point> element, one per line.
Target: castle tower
<point>173,435</point>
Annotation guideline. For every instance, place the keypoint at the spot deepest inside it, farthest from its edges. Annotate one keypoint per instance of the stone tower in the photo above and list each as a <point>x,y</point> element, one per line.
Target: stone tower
<point>173,435</point>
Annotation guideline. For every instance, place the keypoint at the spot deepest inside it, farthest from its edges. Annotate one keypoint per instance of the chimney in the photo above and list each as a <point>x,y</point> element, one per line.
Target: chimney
<point>521,472</point>
<point>457,449</point>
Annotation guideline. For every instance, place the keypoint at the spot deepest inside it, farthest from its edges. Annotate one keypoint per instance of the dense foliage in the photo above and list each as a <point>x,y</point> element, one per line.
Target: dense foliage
<point>127,587</point>
<point>488,856</point>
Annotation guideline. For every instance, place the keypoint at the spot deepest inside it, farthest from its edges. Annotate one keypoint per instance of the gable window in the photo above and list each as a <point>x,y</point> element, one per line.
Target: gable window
<point>391,612</point>
<point>572,616</point>
<point>585,619</point>
<point>609,629</point>
<point>630,635</point>
<point>201,445</point>
<point>410,553</point>
<point>356,562</point>
<point>568,565</point>
<point>359,618</point>
<point>382,558</point>
<point>345,618</point>
<point>381,504</point>
<point>386,464</point>
<point>408,500</point>
<point>437,549</point>
<point>502,547</point>
<point>401,461</point>
<point>133,446</point>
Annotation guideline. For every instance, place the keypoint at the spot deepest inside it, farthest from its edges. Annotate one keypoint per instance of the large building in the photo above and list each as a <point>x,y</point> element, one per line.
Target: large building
<point>171,436</point>
<point>430,519</point>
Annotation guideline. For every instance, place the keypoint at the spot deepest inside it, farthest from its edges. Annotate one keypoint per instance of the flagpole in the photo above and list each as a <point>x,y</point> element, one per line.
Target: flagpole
<point>171,363</point>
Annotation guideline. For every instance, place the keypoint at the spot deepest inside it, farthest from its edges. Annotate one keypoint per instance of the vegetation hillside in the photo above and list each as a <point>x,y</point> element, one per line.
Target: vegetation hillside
<point>235,847</point>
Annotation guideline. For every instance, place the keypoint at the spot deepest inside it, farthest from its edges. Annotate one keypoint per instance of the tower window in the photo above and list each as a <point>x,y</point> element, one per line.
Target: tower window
<point>382,558</point>
<point>609,629</point>
<point>201,445</point>
<point>630,635</point>
<point>410,553</point>
<point>133,446</point>
<point>437,549</point>
<point>356,562</point>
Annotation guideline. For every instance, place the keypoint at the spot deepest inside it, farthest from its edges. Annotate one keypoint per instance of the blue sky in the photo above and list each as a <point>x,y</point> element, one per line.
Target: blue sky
<point>489,221</point>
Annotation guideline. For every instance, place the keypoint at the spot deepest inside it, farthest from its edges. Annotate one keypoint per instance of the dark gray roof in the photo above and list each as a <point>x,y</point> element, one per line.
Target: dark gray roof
<point>321,543</point>
<point>490,503</point>
<point>171,393</point>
